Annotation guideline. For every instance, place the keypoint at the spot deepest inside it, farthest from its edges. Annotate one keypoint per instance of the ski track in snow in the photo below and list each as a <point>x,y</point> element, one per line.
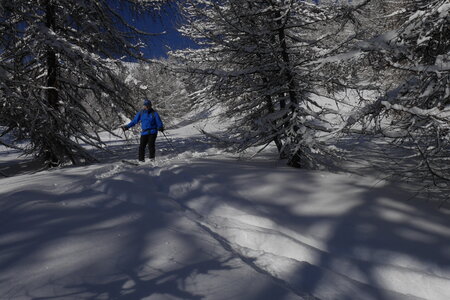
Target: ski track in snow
<point>208,226</point>
<point>256,241</point>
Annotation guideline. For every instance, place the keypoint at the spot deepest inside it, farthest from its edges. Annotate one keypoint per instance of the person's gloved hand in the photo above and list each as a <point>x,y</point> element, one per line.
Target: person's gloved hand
<point>124,127</point>
<point>161,129</point>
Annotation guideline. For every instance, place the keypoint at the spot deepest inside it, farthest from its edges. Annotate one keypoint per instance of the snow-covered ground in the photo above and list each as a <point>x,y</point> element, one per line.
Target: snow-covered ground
<point>202,224</point>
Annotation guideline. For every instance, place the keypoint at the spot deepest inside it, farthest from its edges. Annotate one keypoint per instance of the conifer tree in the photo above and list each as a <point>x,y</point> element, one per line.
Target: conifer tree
<point>416,113</point>
<point>258,60</point>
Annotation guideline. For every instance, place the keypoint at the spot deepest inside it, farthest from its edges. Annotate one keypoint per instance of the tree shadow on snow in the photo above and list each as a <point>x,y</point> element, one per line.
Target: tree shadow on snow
<point>111,226</point>
<point>85,238</point>
<point>131,285</point>
<point>103,241</point>
<point>367,247</point>
<point>379,237</point>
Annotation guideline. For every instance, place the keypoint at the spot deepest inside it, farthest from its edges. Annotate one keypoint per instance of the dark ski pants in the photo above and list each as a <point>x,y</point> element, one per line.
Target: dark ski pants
<point>149,140</point>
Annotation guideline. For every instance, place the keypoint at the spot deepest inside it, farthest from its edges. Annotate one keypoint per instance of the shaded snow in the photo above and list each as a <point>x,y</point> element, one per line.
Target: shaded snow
<point>201,224</point>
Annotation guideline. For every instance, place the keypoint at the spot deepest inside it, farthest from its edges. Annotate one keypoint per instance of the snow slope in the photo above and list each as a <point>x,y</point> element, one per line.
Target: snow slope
<point>202,224</point>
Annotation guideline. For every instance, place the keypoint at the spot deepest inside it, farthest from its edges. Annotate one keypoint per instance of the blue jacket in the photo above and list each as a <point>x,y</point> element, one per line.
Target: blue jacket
<point>150,122</point>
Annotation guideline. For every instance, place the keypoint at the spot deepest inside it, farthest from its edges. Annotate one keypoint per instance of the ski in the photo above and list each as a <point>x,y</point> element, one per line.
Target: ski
<point>130,162</point>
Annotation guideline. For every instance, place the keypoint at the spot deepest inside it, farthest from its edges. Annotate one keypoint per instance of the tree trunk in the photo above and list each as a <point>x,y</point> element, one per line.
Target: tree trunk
<point>293,97</point>
<point>53,146</point>
<point>285,56</point>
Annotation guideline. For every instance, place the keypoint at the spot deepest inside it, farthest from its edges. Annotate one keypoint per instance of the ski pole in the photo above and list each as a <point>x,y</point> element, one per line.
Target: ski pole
<point>124,133</point>
<point>126,136</point>
<point>170,143</point>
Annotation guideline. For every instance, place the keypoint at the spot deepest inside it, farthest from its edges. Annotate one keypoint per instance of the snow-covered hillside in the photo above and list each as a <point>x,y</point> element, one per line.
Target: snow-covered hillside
<point>202,224</point>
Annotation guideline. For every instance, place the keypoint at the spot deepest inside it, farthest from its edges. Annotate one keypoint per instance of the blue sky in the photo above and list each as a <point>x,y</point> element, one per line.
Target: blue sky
<point>159,45</point>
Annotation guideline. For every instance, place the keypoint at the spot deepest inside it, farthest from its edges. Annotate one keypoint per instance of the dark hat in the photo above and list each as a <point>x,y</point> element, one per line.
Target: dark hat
<point>147,102</point>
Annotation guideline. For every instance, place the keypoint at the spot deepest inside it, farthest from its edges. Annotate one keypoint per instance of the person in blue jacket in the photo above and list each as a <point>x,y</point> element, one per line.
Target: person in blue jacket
<point>151,123</point>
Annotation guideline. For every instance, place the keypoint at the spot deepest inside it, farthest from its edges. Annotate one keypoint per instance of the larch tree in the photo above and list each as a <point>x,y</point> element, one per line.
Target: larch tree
<point>258,60</point>
<point>59,67</point>
<point>415,114</point>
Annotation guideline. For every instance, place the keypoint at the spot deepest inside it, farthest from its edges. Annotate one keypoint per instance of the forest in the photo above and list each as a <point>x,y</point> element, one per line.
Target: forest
<point>305,76</point>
